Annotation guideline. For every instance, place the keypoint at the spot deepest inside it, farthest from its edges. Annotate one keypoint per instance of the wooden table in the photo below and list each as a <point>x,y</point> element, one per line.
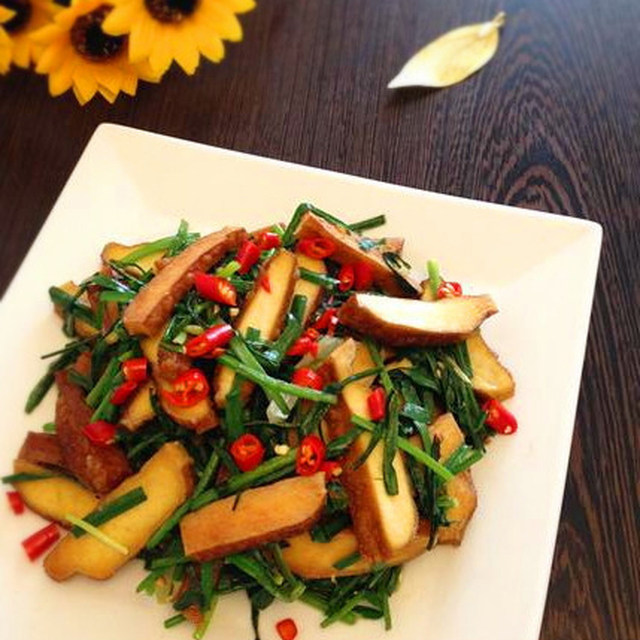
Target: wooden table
<point>553,123</point>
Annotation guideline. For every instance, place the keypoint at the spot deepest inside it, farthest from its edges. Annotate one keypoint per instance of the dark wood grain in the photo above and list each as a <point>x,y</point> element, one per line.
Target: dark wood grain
<point>553,123</point>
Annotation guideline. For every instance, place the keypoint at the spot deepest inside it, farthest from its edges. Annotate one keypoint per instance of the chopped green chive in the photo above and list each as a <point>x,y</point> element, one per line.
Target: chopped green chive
<point>112,509</point>
<point>347,561</point>
<point>97,534</point>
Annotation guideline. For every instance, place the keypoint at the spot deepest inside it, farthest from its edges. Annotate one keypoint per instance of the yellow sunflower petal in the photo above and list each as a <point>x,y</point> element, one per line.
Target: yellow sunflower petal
<point>226,24</point>
<point>47,34</point>
<point>130,83</point>
<point>144,71</point>
<point>109,77</point>
<point>210,44</point>
<point>142,37</point>
<point>239,6</point>
<point>186,52</point>
<point>61,80</point>
<point>79,97</point>
<point>21,53</point>
<point>52,56</point>
<point>107,94</point>
<point>160,58</point>
<point>84,82</point>
<point>123,16</point>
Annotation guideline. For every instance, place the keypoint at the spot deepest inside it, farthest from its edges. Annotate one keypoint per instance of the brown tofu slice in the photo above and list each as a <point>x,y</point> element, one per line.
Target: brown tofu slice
<point>382,523</point>
<point>313,292</point>
<point>139,410</point>
<point>200,417</point>
<point>99,467</point>
<point>463,491</point>
<point>265,514</point>
<point>151,307</point>
<point>490,378</point>
<point>167,480</point>
<point>42,448</point>
<point>315,560</point>
<point>114,252</point>
<point>56,497</point>
<point>263,310</point>
<point>348,251</point>
<point>402,322</point>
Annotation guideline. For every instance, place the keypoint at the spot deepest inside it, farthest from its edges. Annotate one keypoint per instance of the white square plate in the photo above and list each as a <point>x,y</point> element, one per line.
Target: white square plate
<point>130,186</point>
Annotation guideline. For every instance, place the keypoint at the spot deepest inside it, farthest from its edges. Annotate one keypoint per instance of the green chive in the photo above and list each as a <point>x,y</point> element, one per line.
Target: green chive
<point>112,509</point>
<point>117,296</point>
<point>320,279</point>
<point>369,223</point>
<point>433,269</point>
<point>243,481</point>
<point>174,621</point>
<point>70,305</point>
<point>49,427</point>
<point>417,453</point>
<point>240,349</point>
<point>46,382</point>
<point>347,561</point>
<point>104,382</point>
<point>28,477</point>
<point>97,534</point>
<point>228,269</point>
<point>274,384</point>
<point>391,446</point>
<point>377,360</point>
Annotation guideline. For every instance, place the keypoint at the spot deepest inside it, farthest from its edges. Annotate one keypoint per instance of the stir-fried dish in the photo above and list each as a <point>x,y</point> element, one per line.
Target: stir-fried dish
<point>291,412</point>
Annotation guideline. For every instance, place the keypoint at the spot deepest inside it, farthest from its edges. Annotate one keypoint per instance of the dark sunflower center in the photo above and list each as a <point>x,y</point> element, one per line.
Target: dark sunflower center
<point>90,41</point>
<point>171,10</point>
<point>23,13</point>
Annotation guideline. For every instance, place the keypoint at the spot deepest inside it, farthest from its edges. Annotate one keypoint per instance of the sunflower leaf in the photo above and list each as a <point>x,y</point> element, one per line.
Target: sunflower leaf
<point>452,57</point>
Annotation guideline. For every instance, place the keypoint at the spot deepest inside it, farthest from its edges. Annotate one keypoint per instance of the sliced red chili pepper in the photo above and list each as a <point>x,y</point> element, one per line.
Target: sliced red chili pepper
<point>499,418</point>
<point>317,247</point>
<point>363,276</point>
<point>310,455</point>
<point>247,451</point>
<point>188,389</point>
<point>37,543</point>
<point>213,338</point>
<point>305,377</point>
<point>449,290</point>
<point>265,283</point>
<point>122,393</point>
<point>135,369</point>
<point>268,240</point>
<point>302,346</point>
<point>248,255</point>
<point>15,502</point>
<point>215,288</point>
<point>328,321</point>
<point>287,629</point>
<point>347,277</point>
<point>312,333</point>
<point>377,402</point>
<point>100,432</point>
<point>332,469</point>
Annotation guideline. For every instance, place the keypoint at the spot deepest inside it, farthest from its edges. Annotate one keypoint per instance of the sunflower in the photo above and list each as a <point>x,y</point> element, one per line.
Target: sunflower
<point>28,15</point>
<point>6,46</point>
<point>162,31</point>
<point>79,55</point>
